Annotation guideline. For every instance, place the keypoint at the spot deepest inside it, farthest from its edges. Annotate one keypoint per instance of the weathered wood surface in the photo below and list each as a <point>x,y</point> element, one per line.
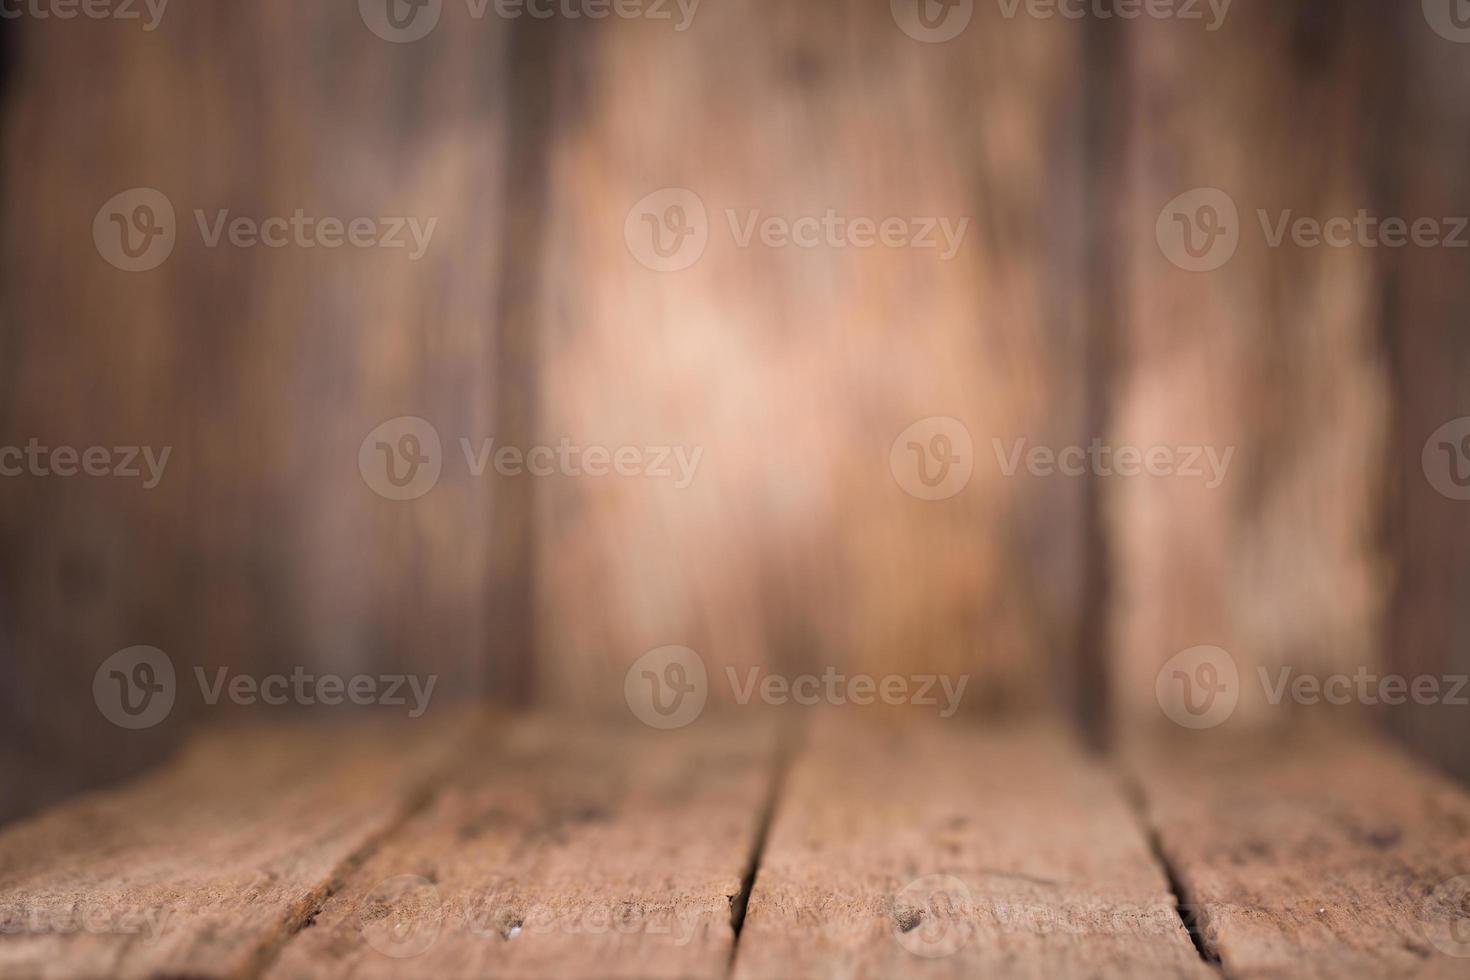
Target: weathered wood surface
<point>1428,515</point>
<point>545,847</point>
<point>263,369</point>
<point>946,851</point>
<point>204,867</point>
<point>1318,854</point>
<point>1270,353</point>
<point>559,851</point>
<point>795,369</point>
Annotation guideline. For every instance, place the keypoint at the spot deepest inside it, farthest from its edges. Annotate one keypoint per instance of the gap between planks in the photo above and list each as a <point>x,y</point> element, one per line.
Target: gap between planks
<point>787,854</point>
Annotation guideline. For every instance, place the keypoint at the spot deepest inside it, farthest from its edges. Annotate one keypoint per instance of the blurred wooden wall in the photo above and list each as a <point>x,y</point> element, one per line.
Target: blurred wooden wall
<point>793,370</point>
<point>1276,355</point>
<point>1427,334</point>
<point>263,369</point>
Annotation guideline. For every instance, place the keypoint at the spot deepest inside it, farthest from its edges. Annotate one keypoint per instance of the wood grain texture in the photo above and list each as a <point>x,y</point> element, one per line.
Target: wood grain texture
<point>795,369</point>
<point>204,867</point>
<point>559,850</point>
<point>263,369</point>
<point>1274,355</point>
<point>1323,853</point>
<point>1428,532</point>
<point>948,851</point>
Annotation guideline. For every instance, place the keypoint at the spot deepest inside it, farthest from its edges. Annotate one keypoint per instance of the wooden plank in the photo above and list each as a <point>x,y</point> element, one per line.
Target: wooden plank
<point>570,852</point>
<point>1429,350</point>
<point>1269,350</point>
<point>264,369</point>
<point>796,369</point>
<point>1320,853</point>
<point>204,867</point>
<point>951,851</point>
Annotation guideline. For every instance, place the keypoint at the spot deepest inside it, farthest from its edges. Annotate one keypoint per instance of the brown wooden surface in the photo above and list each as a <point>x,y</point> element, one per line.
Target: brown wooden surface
<point>796,369</point>
<point>548,847</point>
<point>1276,353</point>
<point>264,369</point>
<point>1318,854</point>
<point>529,321</point>
<point>559,851</point>
<point>1428,533</point>
<point>946,852</point>
<point>205,867</point>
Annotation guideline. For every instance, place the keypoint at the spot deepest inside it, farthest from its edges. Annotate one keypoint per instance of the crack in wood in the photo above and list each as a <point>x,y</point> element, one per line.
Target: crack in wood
<point>1191,913</point>
<point>304,914</point>
<point>740,901</point>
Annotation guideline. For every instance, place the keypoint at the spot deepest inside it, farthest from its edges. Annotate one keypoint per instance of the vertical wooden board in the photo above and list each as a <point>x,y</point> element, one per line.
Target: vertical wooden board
<point>794,370</point>
<point>1428,525</point>
<point>947,851</point>
<point>1267,352</point>
<point>1321,853</point>
<point>559,850</point>
<point>204,867</point>
<point>264,369</point>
